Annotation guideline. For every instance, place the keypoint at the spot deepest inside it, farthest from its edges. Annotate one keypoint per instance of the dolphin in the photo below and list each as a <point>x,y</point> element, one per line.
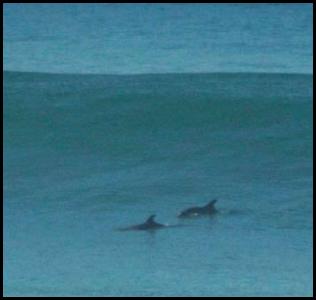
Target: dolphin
<point>208,209</point>
<point>149,224</point>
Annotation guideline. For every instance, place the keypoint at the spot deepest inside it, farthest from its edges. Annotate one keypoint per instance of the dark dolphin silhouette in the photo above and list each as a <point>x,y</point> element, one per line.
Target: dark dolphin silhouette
<point>150,224</point>
<point>208,209</point>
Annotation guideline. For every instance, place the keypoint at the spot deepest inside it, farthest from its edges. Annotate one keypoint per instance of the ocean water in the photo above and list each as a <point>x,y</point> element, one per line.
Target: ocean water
<point>86,154</point>
<point>158,38</point>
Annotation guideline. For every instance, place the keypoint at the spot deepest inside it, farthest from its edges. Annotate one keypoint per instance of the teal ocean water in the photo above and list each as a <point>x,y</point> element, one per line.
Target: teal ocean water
<point>158,38</point>
<point>85,154</point>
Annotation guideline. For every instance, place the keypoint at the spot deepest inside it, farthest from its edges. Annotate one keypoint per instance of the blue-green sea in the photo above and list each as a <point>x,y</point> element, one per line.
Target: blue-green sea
<point>106,125</point>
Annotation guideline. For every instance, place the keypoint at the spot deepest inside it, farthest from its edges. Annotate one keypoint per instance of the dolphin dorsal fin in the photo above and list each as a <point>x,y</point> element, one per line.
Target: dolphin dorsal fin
<point>151,219</point>
<point>211,203</point>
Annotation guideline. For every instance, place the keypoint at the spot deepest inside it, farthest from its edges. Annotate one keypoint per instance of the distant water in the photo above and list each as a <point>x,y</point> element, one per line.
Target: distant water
<point>158,38</point>
<point>85,154</point>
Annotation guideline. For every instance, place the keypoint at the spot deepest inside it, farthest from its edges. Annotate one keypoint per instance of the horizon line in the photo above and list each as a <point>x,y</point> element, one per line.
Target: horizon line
<point>160,73</point>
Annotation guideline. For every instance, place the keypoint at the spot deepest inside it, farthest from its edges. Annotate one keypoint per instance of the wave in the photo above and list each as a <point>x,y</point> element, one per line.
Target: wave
<point>92,106</point>
<point>160,136</point>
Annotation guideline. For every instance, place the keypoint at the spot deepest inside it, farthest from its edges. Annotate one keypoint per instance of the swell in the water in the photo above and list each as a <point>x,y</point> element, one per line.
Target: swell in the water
<point>84,154</point>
